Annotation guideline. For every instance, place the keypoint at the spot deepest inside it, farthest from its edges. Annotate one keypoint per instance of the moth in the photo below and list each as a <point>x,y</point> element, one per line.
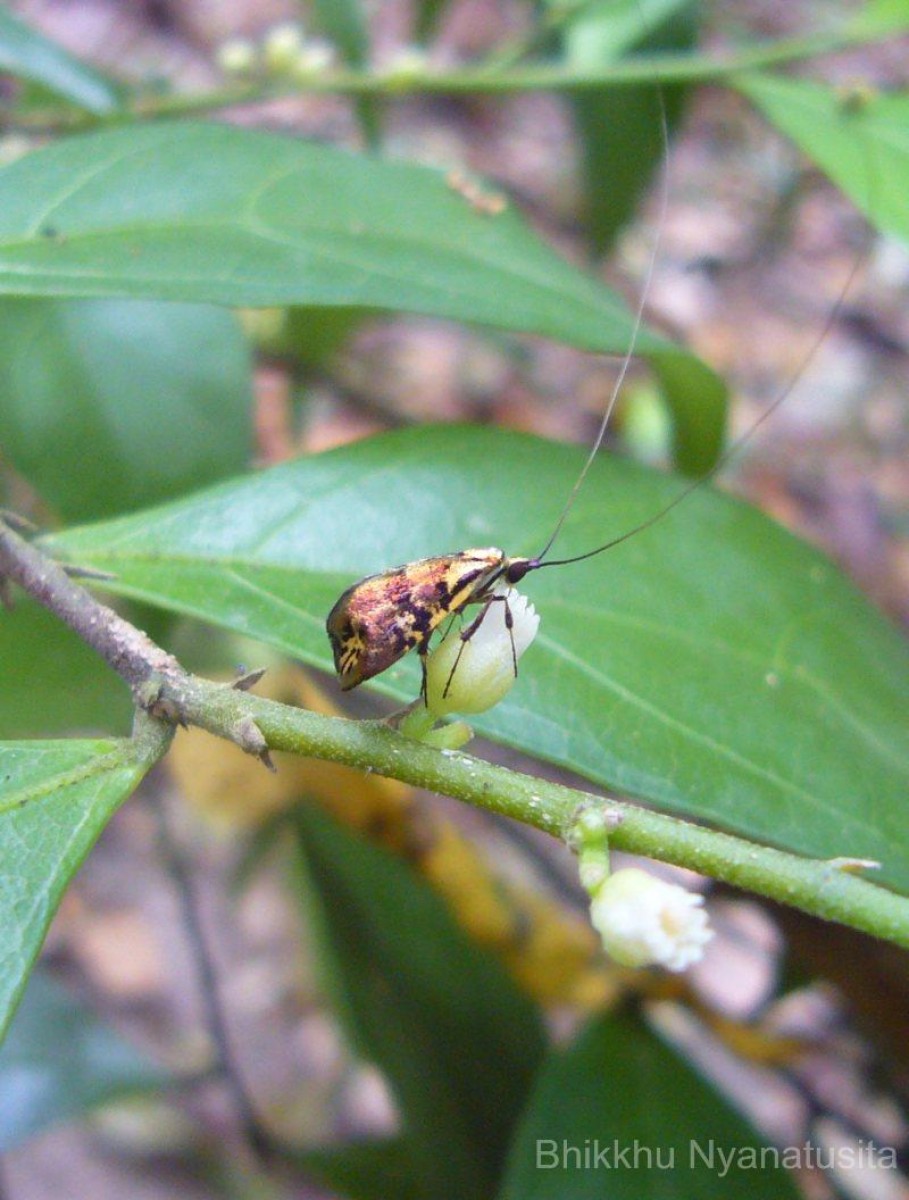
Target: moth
<point>382,617</point>
<point>376,622</point>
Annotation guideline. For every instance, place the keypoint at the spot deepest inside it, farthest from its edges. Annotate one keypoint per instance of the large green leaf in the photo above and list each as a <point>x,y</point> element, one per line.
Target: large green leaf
<point>59,1060</point>
<point>55,798</point>
<point>619,1114</point>
<point>25,53</point>
<point>862,143</point>
<point>456,1039</point>
<point>714,664</point>
<point>52,682</point>
<point>232,217</point>
<point>107,405</point>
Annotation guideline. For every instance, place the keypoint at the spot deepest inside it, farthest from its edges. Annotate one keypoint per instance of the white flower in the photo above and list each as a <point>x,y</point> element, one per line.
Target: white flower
<point>405,63</point>
<point>471,676</point>
<point>645,921</point>
<point>282,45</point>
<point>237,57</point>
<point>316,55</point>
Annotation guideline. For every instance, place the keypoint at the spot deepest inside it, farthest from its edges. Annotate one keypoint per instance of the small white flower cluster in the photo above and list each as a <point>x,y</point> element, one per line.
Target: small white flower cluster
<point>645,921</point>
<point>285,51</point>
<point>404,63</point>
<point>474,675</point>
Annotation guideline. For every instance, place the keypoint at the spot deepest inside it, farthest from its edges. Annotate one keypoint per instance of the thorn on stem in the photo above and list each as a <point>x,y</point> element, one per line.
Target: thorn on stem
<point>248,680</point>
<point>76,572</point>
<point>17,522</point>
<point>853,865</point>
<point>248,736</point>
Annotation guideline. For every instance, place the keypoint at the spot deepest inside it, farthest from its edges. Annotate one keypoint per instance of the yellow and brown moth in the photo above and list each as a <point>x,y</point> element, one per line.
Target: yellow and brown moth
<point>376,622</point>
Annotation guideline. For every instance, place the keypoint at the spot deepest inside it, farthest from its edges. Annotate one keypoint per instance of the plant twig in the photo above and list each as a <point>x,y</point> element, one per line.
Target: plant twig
<point>159,684</point>
<point>486,78</point>
<point>490,78</point>
<point>131,653</point>
<point>255,1136</point>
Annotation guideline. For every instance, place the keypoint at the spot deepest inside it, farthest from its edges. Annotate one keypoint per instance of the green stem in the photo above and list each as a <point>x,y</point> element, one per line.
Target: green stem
<point>815,886</point>
<point>160,685</point>
<point>535,77</point>
<point>490,78</point>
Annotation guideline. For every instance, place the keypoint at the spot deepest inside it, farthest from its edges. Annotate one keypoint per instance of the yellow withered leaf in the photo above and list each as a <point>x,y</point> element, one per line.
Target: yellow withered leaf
<point>554,955</point>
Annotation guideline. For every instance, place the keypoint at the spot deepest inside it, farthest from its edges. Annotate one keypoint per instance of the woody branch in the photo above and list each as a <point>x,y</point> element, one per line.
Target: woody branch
<point>162,687</point>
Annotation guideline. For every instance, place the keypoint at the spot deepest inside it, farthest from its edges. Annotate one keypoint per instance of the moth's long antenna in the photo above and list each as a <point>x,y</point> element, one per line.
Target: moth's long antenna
<point>635,331</point>
<point>732,450</point>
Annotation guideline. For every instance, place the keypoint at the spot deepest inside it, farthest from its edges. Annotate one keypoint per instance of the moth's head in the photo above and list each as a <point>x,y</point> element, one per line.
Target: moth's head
<point>516,568</point>
<point>348,645</point>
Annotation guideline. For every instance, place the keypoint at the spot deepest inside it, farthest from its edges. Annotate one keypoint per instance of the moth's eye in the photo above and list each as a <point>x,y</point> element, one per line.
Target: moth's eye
<point>352,639</point>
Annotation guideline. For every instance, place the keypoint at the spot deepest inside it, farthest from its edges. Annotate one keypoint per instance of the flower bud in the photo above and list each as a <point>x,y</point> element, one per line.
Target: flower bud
<point>406,63</point>
<point>281,47</point>
<point>645,921</point>
<point>315,56</point>
<point>237,57</point>
<point>473,675</point>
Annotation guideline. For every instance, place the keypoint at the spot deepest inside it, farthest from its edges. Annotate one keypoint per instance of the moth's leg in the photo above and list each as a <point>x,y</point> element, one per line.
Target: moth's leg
<point>509,625</point>
<point>466,634</point>
<point>422,650</point>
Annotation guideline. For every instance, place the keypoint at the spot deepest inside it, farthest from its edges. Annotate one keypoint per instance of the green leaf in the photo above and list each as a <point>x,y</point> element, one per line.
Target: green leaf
<point>862,143</point>
<point>621,1093</point>
<point>456,1039</point>
<point>371,1170</point>
<point>28,55</point>
<point>314,335</point>
<point>55,798</point>
<point>107,405</point>
<point>882,16</point>
<point>714,665</point>
<point>52,682</point>
<point>427,15</point>
<point>344,23</point>
<point>227,216</point>
<point>620,128</point>
<point>59,1061</point>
